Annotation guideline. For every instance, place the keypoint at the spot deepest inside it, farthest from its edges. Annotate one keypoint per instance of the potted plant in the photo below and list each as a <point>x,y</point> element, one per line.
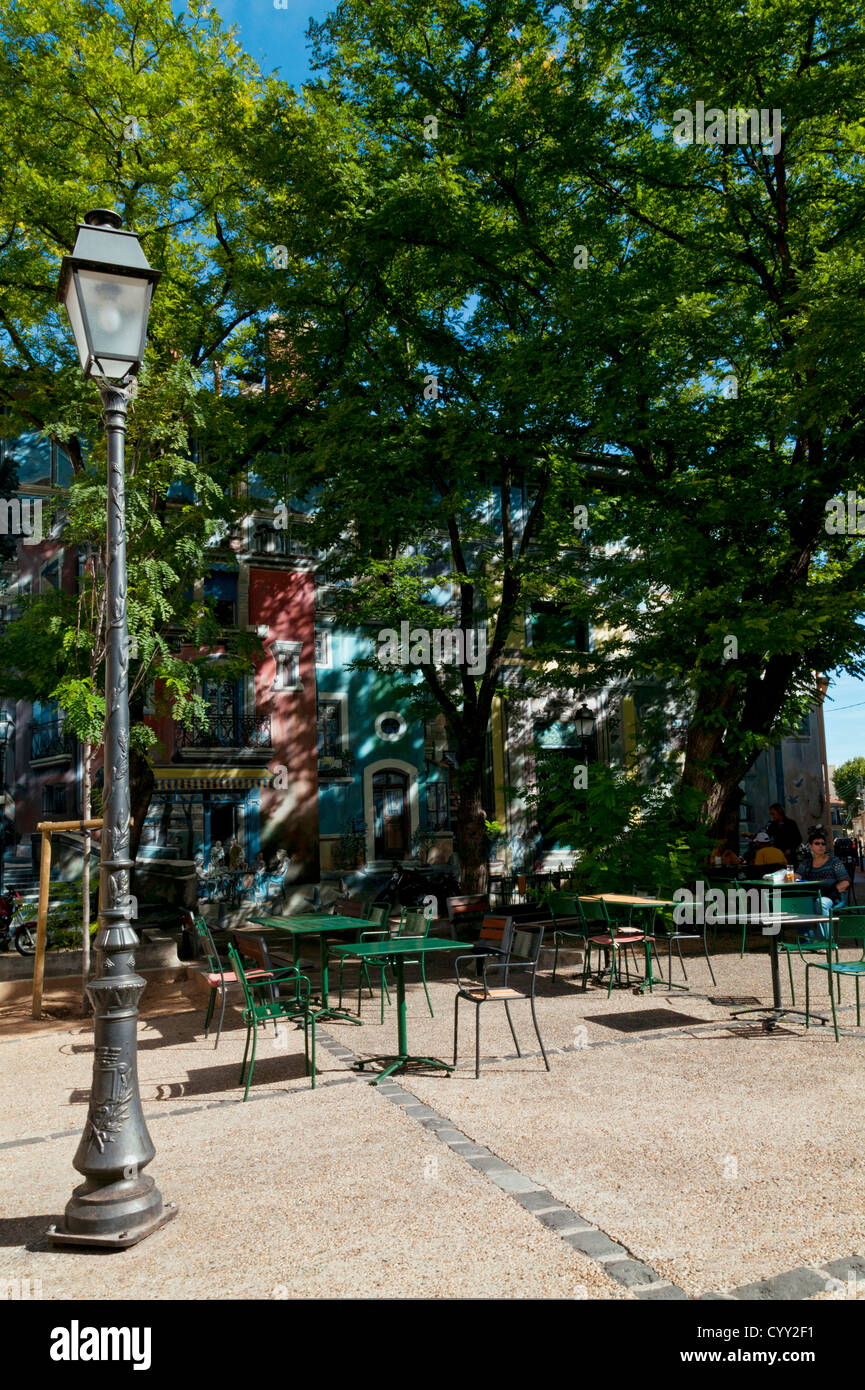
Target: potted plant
<point>349,851</point>
<point>422,842</point>
<point>496,838</point>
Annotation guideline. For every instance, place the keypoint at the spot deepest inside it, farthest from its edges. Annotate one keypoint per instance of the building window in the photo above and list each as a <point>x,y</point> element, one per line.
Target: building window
<point>438,806</point>
<point>549,623</point>
<point>40,463</point>
<point>390,727</point>
<point>181,490</point>
<point>220,588</point>
<point>54,801</point>
<point>329,726</point>
<point>267,540</point>
<point>322,647</point>
<point>286,656</point>
<point>49,576</point>
<point>224,709</point>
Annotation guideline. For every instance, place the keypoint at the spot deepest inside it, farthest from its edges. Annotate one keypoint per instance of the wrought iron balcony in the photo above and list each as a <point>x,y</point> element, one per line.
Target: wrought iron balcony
<point>227,731</point>
<point>335,765</point>
<point>50,740</point>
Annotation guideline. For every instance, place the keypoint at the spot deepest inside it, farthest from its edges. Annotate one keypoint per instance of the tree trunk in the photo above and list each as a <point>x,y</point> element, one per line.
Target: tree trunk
<point>471,835</point>
<point>141,781</point>
<point>714,768</point>
<point>85,884</point>
<point>717,780</point>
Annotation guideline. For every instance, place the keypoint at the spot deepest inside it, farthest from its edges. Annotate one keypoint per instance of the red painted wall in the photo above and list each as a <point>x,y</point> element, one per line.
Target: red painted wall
<point>284,600</point>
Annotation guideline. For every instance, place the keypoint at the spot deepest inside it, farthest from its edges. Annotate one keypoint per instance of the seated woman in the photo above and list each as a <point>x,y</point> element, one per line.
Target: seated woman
<point>834,879</point>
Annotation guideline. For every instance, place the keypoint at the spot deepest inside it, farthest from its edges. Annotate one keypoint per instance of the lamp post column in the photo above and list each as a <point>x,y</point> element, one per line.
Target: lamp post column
<point>116,1205</point>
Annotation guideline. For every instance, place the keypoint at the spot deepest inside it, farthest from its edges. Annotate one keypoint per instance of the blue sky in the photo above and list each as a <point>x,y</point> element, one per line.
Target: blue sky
<point>845,727</point>
<point>276,40</point>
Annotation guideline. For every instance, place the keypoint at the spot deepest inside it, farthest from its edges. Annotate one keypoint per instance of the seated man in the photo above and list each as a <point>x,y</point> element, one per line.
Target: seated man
<point>768,854</point>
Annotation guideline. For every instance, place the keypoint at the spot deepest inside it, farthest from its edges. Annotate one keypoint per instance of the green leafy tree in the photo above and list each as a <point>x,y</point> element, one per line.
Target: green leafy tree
<point>736,414</point>
<point>124,104</point>
<point>426,397</point>
<point>849,779</point>
<point>666,334</point>
<point>624,828</point>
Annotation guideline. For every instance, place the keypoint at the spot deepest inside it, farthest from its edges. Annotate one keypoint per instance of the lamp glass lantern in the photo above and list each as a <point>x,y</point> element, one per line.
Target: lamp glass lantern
<point>584,719</point>
<point>106,286</point>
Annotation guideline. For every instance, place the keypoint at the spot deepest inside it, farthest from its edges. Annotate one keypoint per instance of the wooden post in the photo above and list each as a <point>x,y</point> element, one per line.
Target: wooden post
<point>822,689</point>
<point>41,921</point>
<point>45,828</point>
<point>52,825</point>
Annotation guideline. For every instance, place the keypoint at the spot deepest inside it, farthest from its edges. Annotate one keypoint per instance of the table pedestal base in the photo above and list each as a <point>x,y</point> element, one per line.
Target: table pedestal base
<point>774,1016</point>
<point>392,1063</point>
<point>341,1015</point>
<point>668,985</point>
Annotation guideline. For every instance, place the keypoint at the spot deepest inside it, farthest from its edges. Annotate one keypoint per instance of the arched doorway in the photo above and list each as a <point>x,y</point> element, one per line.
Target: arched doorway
<point>391,822</point>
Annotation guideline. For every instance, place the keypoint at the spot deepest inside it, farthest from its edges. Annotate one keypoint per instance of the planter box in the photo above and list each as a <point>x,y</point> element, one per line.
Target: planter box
<point>10,990</point>
<point>152,955</point>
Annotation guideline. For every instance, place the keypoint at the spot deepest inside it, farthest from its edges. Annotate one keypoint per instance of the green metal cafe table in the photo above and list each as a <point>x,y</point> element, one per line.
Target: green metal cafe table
<point>638,900</point>
<point>321,926</point>
<point>393,952</point>
<point>772,924</point>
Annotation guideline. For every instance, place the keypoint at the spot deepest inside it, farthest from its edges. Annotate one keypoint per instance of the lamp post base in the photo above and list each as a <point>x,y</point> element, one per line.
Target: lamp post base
<point>113,1218</point>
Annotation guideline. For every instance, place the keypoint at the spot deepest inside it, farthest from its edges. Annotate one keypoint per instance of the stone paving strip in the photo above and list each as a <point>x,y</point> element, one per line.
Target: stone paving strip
<point>801,1284</point>
<point>153,1116</point>
<point>614,1259</point>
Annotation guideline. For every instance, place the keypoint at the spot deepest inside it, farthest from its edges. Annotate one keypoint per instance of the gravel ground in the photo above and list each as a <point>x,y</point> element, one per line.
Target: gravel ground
<point>296,1194</point>
<point>716,1157</point>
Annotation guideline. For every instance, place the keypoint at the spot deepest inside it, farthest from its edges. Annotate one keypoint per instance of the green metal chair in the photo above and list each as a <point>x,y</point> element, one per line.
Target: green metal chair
<point>285,996</point>
<point>416,921</point>
<point>847,924</point>
<point>666,931</point>
<point>612,939</point>
<point>217,977</point>
<point>724,884</point>
<point>412,922</point>
<point>379,915</point>
<point>802,904</point>
<point>568,922</point>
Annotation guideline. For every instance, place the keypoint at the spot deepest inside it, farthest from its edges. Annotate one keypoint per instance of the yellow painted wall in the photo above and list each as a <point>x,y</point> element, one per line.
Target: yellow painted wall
<point>629,729</point>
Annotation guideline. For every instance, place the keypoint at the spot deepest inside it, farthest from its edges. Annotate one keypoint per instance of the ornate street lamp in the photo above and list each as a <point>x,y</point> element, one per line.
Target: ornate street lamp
<point>584,722</point>
<point>106,286</point>
<point>6,729</point>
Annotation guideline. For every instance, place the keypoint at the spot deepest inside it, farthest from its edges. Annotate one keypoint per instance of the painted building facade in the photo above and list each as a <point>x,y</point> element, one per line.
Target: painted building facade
<point>249,771</point>
<point>310,753</point>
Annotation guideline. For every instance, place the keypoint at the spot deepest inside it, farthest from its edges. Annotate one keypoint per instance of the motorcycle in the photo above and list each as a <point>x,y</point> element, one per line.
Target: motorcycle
<point>410,888</point>
<point>22,935</point>
<point>18,936</point>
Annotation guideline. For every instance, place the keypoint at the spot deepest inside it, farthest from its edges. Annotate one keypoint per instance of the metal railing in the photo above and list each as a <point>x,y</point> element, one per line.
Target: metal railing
<point>50,740</point>
<point>335,764</point>
<point>227,731</point>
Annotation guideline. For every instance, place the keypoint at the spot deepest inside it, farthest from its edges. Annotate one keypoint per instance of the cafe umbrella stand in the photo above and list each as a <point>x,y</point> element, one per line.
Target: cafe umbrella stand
<point>106,286</point>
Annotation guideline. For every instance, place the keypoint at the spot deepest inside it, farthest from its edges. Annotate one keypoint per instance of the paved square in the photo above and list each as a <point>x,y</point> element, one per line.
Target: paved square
<point>676,1162</point>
